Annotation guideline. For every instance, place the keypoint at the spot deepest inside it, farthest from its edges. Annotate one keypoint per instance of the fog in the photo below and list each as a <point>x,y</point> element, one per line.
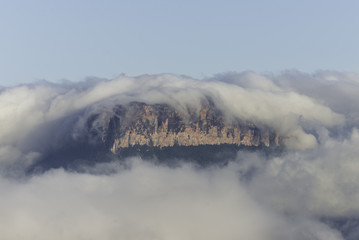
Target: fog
<point>309,191</point>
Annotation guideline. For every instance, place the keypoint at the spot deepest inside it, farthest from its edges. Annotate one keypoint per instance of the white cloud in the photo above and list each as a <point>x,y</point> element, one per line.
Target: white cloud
<point>323,182</point>
<point>253,198</point>
<point>264,100</point>
<point>144,201</point>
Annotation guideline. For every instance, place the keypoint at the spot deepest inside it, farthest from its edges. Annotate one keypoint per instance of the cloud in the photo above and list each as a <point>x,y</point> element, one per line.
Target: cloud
<point>285,196</point>
<point>144,201</point>
<point>29,109</point>
<point>325,180</point>
<point>339,91</point>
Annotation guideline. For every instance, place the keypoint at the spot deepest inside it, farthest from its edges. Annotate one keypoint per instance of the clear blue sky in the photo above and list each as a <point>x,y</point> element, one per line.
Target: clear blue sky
<point>73,39</point>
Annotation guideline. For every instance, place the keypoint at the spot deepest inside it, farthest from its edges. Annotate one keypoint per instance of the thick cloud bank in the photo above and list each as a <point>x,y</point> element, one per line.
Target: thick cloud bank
<point>310,191</point>
<point>144,201</point>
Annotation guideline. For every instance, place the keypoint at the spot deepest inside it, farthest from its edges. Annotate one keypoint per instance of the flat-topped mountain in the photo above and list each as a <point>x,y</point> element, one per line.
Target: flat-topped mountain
<point>161,125</point>
<point>164,132</point>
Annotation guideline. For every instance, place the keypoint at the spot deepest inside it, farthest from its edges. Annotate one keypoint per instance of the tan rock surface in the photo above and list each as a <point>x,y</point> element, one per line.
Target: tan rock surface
<point>161,125</point>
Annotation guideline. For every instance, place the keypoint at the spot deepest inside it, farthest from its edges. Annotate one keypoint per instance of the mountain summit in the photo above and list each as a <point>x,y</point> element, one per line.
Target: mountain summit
<point>161,125</point>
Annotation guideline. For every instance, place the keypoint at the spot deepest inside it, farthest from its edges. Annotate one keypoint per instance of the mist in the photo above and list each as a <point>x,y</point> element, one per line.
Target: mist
<point>309,191</point>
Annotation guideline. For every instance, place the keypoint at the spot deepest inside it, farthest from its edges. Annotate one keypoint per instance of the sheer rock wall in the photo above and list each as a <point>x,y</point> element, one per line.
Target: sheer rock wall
<point>161,125</point>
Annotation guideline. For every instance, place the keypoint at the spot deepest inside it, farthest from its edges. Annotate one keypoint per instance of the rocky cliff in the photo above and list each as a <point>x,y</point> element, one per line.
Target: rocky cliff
<point>203,135</point>
<point>161,126</point>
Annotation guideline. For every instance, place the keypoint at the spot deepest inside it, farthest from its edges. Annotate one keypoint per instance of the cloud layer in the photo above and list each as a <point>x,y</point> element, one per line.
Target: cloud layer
<point>144,201</point>
<point>253,197</point>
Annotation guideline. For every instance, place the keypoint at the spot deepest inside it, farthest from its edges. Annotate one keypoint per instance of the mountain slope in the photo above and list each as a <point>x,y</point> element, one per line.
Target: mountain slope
<point>161,125</point>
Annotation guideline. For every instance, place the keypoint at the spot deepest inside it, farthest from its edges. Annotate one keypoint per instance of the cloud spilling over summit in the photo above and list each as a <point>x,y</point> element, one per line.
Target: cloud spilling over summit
<point>308,191</point>
<point>284,105</point>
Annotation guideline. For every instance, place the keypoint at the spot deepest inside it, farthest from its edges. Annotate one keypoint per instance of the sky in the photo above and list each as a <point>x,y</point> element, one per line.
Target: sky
<point>73,40</point>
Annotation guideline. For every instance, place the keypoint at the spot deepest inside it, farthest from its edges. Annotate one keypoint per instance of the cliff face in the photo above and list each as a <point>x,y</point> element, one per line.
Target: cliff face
<point>160,125</point>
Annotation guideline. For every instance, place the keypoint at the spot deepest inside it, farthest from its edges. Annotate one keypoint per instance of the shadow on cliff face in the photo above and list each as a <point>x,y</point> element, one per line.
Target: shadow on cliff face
<point>75,156</point>
<point>62,144</point>
<point>202,156</point>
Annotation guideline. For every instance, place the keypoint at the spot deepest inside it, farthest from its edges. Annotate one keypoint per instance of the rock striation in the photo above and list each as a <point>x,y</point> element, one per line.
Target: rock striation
<point>161,126</point>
